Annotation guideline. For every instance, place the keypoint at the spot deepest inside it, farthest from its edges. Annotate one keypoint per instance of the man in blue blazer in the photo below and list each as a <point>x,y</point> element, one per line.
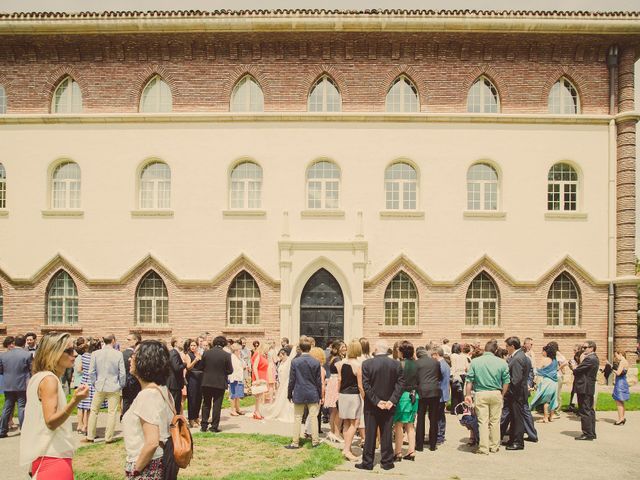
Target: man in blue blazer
<point>15,365</point>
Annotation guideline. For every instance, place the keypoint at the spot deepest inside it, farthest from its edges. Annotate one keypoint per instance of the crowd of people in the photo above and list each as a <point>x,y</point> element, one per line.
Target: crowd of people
<point>367,396</point>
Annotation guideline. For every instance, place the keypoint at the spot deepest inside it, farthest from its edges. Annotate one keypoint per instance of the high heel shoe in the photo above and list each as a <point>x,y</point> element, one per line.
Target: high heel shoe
<point>410,456</point>
<point>332,437</point>
<point>621,422</point>
<point>350,456</point>
<point>397,457</point>
<point>257,416</point>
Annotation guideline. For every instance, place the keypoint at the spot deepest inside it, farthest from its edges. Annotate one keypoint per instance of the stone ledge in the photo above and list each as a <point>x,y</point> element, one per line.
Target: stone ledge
<point>61,328</point>
<point>151,329</point>
<point>495,332</point>
<point>53,213</point>
<point>564,332</point>
<point>142,213</point>
<point>400,332</point>
<point>243,329</point>
<point>254,213</point>
<point>322,213</point>
<point>402,214</point>
<point>565,216</point>
<point>484,214</point>
<point>4,213</point>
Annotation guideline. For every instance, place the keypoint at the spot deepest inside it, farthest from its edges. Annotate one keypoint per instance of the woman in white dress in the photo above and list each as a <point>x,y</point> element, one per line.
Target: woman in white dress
<point>281,408</point>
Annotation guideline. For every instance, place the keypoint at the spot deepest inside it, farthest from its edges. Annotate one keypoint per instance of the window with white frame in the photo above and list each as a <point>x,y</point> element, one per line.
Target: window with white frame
<point>563,98</point>
<point>3,100</point>
<point>1,305</point>
<point>401,302</point>
<point>243,301</point>
<point>155,186</point>
<point>483,97</point>
<point>401,187</point>
<point>246,186</point>
<point>324,96</point>
<point>65,186</point>
<point>3,187</point>
<point>563,302</point>
<point>247,96</point>
<point>323,185</point>
<point>156,96</point>
<point>482,187</point>
<point>402,96</point>
<point>152,301</point>
<point>62,300</point>
<point>562,188</point>
<point>482,302</point>
<point>67,97</point>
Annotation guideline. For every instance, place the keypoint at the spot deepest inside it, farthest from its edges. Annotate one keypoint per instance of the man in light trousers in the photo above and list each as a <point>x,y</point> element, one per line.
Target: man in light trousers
<point>108,376</point>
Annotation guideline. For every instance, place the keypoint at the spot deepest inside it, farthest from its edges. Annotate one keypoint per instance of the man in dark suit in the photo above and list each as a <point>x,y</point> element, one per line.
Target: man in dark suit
<point>429,376</point>
<point>175,380</point>
<point>15,365</point>
<point>584,381</point>
<point>131,386</point>
<point>216,366</point>
<point>382,383</point>
<point>518,392</point>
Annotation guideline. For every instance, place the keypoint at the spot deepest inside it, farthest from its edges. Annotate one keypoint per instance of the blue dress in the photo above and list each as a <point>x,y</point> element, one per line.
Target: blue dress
<point>547,391</point>
<point>621,387</point>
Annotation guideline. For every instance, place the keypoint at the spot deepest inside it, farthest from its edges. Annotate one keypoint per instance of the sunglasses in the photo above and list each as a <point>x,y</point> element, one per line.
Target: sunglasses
<point>70,351</point>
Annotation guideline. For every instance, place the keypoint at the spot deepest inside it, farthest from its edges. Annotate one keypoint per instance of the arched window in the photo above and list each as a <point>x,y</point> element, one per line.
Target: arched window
<point>403,96</point>
<point>563,302</point>
<point>247,96</point>
<point>401,301</point>
<point>3,187</point>
<point>483,97</point>
<point>62,300</point>
<point>1,305</point>
<point>246,186</point>
<point>156,96</point>
<point>482,302</point>
<point>563,98</point>
<point>152,301</point>
<point>65,186</point>
<point>155,186</point>
<point>323,185</point>
<point>67,97</point>
<point>562,189</point>
<point>324,96</point>
<point>3,100</point>
<point>401,187</point>
<point>482,187</point>
<point>243,301</point>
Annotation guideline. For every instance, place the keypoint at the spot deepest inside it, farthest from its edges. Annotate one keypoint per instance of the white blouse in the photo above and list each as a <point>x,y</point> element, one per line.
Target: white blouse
<point>238,369</point>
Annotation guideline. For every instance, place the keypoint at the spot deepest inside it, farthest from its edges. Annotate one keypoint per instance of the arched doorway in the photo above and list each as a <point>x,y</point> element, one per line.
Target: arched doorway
<point>322,308</point>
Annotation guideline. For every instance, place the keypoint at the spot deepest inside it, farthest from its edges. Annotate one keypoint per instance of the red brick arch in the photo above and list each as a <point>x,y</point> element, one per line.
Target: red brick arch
<point>142,79</point>
<point>578,81</point>
<point>314,72</point>
<point>53,79</point>
<point>235,75</point>
<point>416,77</point>
<point>483,71</point>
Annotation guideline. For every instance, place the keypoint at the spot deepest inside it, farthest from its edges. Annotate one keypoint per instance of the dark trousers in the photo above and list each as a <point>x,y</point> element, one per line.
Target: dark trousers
<point>194,396</point>
<point>442,422</point>
<point>457,393</point>
<point>516,429</point>
<point>375,418</point>
<point>215,395</point>
<point>10,400</point>
<point>129,393</point>
<point>529,426</point>
<point>587,414</point>
<point>431,404</point>
<point>177,400</point>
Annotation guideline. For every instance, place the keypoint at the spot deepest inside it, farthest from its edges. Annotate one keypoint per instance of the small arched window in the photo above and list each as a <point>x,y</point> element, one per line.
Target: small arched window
<point>246,186</point>
<point>3,100</point>
<point>67,97</point>
<point>152,301</point>
<point>323,185</point>
<point>483,97</point>
<point>243,301</point>
<point>65,186</point>
<point>401,301</point>
<point>156,96</point>
<point>155,186</point>
<point>3,187</point>
<point>62,300</point>
<point>401,187</point>
<point>247,96</point>
<point>482,302</point>
<point>563,98</point>
<point>482,187</point>
<point>562,188</point>
<point>563,302</point>
<point>402,96</point>
<point>324,96</point>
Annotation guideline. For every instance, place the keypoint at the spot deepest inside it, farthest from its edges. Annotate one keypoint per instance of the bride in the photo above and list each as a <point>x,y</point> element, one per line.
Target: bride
<point>281,408</point>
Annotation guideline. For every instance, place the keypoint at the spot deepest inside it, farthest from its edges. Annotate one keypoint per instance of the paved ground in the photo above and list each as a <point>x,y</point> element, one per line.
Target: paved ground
<point>615,455</point>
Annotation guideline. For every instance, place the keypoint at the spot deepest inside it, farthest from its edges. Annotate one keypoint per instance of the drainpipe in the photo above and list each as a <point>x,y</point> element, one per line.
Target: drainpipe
<point>610,325</point>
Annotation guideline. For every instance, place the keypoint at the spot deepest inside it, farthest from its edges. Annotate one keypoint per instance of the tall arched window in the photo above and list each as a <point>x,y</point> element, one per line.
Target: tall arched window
<point>402,96</point>
<point>401,301</point>
<point>3,100</point>
<point>3,187</point>
<point>67,97</point>
<point>482,302</point>
<point>563,302</point>
<point>243,301</point>
<point>247,96</point>
<point>1,305</point>
<point>563,98</point>
<point>323,185</point>
<point>324,96</point>
<point>482,187</point>
<point>156,96</point>
<point>62,300</point>
<point>483,97</point>
<point>152,301</point>
<point>562,188</point>
<point>246,186</point>
<point>401,187</point>
<point>65,186</point>
<point>155,186</point>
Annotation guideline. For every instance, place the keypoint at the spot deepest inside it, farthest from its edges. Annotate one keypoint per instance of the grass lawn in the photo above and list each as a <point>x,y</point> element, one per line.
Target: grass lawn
<point>606,403</point>
<point>222,456</point>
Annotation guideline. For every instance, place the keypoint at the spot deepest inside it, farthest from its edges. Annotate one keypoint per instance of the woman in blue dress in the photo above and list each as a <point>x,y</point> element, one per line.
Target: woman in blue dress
<point>547,391</point>
<point>621,386</point>
<point>85,405</point>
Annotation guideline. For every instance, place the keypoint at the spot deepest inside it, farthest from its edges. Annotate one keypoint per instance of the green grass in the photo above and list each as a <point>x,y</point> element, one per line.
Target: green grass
<point>606,403</point>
